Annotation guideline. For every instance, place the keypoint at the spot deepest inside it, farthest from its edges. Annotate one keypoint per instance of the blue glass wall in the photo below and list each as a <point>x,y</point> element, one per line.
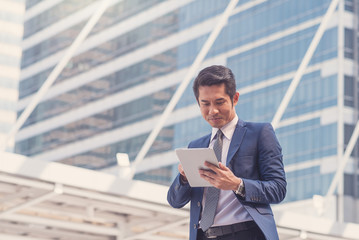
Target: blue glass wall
<point>303,184</point>
<point>269,60</point>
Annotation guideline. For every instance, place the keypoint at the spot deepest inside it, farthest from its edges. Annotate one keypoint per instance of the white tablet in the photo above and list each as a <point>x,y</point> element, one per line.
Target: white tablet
<point>192,159</point>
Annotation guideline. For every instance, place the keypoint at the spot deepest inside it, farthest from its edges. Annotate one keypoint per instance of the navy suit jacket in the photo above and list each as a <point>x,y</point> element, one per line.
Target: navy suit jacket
<point>255,156</point>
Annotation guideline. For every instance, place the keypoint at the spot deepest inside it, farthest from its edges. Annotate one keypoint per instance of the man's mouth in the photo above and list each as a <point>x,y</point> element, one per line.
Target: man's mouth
<point>215,118</point>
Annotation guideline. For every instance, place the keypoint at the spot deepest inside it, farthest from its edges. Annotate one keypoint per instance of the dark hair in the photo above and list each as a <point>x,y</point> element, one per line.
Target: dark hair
<point>215,75</point>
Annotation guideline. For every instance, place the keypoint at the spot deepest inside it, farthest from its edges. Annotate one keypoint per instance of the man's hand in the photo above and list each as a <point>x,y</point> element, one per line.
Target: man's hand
<point>183,175</point>
<point>220,177</point>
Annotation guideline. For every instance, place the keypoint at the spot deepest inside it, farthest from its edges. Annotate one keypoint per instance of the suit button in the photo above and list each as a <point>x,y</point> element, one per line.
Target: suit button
<point>198,204</point>
<point>194,226</point>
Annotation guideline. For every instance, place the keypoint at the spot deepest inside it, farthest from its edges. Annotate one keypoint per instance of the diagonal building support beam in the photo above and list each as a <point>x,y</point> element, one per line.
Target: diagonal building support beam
<point>303,65</point>
<point>182,87</point>
<point>56,72</point>
<point>344,161</point>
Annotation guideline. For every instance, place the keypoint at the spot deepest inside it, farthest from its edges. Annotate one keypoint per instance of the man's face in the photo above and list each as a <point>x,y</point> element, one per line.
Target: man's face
<point>216,106</point>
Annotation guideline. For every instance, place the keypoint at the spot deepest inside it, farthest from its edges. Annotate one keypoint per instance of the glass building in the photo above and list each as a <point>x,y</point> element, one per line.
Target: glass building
<point>119,81</point>
<point>11,30</point>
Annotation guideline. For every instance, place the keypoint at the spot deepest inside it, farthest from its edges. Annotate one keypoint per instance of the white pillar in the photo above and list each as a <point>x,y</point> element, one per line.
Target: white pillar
<point>340,124</point>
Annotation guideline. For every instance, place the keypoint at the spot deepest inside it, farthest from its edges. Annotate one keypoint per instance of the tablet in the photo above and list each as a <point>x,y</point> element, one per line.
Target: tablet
<point>192,159</point>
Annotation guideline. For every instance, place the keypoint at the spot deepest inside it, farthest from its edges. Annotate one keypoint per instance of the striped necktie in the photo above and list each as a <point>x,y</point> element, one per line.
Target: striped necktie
<point>212,194</point>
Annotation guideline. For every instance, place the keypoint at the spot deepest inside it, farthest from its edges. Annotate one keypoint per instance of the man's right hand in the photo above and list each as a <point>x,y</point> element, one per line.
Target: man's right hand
<point>183,175</point>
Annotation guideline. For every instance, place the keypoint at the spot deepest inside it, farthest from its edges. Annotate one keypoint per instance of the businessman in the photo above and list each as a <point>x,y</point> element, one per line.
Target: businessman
<point>250,175</point>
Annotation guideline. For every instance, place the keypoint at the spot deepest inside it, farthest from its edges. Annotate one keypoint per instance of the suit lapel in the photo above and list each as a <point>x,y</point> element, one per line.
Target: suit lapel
<point>237,139</point>
<point>205,142</point>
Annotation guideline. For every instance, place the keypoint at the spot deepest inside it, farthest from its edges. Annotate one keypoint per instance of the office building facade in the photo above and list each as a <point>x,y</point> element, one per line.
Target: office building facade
<point>112,92</point>
<point>11,29</point>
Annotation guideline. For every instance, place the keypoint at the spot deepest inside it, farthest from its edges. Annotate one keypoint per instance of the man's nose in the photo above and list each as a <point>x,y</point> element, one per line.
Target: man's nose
<point>213,110</point>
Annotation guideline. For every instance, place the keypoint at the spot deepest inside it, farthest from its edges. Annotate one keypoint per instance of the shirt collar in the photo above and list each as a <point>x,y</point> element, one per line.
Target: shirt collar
<point>228,129</point>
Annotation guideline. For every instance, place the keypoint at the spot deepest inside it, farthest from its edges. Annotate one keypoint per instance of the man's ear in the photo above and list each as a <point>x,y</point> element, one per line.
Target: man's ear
<point>235,98</point>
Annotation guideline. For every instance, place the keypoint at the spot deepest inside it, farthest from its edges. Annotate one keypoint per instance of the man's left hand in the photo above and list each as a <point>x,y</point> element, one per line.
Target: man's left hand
<point>220,177</point>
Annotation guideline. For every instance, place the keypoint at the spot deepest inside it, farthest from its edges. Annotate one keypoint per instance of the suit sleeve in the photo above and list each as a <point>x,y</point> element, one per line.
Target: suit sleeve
<point>271,185</point>
<point>179,194</point>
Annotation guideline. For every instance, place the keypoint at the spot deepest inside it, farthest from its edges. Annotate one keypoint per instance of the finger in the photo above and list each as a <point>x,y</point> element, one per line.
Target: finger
<point>180,170</point>
<point>211,166</point>
<point>222,166</point>
<point>208,179</point>
<point>207,174</point>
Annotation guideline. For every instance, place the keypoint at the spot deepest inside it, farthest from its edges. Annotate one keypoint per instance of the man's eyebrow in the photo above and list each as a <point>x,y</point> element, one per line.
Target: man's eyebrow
<point>218,99</point>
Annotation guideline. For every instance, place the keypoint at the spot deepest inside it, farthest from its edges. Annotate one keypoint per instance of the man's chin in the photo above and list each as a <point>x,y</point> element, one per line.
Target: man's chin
<point>216,124</point>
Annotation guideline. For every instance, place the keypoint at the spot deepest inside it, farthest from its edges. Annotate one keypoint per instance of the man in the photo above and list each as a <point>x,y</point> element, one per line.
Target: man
<point>250,175</point>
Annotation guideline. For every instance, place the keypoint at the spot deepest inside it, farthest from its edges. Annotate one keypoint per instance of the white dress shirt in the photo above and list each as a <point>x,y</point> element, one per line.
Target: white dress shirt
<point>229,209</point>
